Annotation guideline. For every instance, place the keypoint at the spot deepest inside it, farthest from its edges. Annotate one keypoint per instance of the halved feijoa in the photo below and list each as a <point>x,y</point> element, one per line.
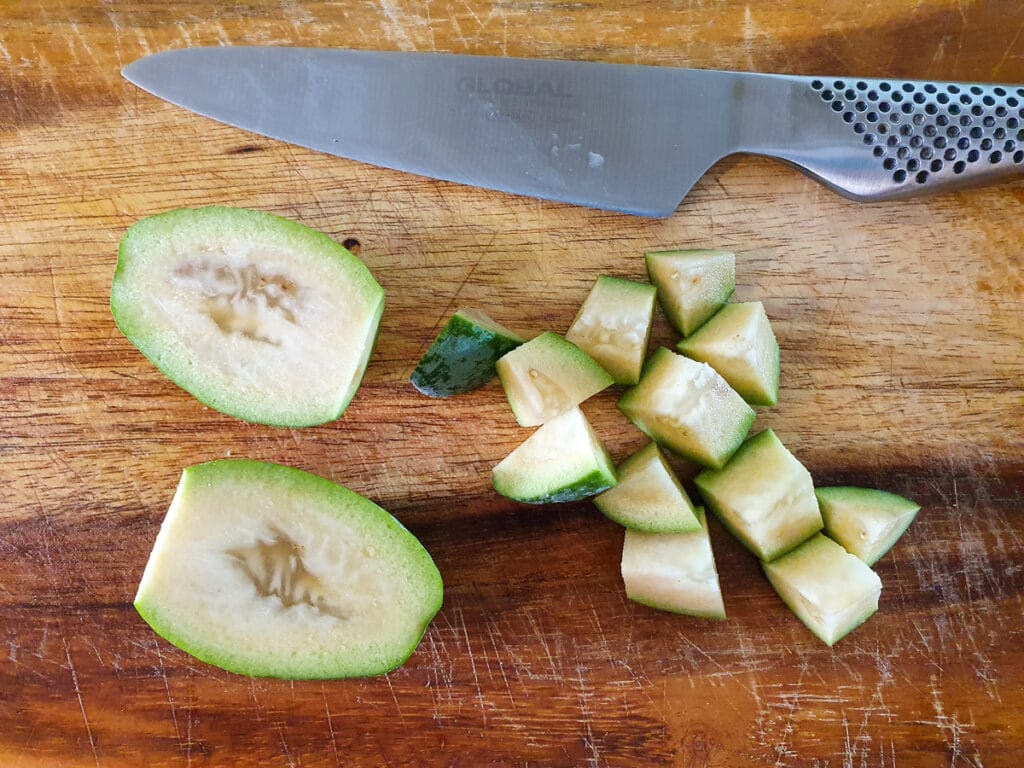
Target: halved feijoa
<point>688,407</point>
<point>673,571</point>
<point>614,324</point>
<point>738,342</point>
<point>649,496</point>
<point>564,460</point>
<point>547,376</point>
<point>269,571</point>
<point>828,589</point>
<point>692,284</point>
<point>764,496</point>
<point>866,521</point>
<point>463,354</point>
<point>257,316</point>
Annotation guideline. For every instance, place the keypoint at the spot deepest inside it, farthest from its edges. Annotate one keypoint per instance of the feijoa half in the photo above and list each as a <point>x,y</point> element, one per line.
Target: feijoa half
<point>269,571</point>
<point>257,316</point>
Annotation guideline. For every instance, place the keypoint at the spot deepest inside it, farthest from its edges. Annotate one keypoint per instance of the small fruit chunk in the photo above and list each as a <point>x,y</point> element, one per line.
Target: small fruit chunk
<point>738,342</point>
<point>614,325</point>
<point>463,354</point>
<point>866,521</point>
<point>689,408</point>
<point>563,460</point>
<point>828,589</point>
<point>692,284</point>
<point>547,376</point>
<point>673,571</point>
<point>764,495</point>
<point>256,316</point>
<point>269,571</point>
<point>649,496</point>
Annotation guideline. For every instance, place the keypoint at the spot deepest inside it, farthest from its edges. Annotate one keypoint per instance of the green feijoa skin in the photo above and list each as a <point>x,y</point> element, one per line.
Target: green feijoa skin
<point>269,571</point>
<point>256,316</point>
<point>463,355</point>
<point>563,460</point>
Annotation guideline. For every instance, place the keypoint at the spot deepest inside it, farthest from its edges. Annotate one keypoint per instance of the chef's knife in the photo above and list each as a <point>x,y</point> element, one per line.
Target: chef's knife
<point>620,137</point>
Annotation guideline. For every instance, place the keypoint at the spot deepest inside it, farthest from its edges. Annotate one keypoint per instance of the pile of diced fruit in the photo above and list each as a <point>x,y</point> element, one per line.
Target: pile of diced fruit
<point>816,545</point>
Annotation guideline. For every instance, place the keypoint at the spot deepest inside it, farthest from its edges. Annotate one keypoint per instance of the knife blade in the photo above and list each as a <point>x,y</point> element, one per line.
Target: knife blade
<point>627,138</point>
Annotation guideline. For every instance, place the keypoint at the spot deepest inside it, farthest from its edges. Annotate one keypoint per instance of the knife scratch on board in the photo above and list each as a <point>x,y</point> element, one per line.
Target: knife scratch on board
<point>78,695</point>
<point>394,28</point>
<point>167,690</point>
<point>330,724</point>
<point>472,665</point>
<point>583,696</point>
<point>952,729</point>
<point>494,635</point>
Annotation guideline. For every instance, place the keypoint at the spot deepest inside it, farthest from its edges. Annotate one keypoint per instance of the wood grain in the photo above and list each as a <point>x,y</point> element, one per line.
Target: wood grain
<point>903,368</point>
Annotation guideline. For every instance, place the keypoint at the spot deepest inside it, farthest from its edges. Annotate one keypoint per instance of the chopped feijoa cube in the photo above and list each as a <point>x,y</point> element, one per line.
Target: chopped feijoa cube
<point>463,355</point>
<point>649,496</point>
<point>673,571</point>
<point>764,496</point>
<point>688,407</point>
<point>828,589</point>
<point>256,316</point>
<point>564,460</point>
<point>692,284</point>
<point>866,521</point>
<point>614,325</point>
<point>547,376</point>
<point>269,571</point>
<point>738,342</point>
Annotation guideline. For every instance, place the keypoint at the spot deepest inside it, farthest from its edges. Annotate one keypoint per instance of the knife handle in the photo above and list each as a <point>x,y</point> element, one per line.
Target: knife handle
<point>887,139</point>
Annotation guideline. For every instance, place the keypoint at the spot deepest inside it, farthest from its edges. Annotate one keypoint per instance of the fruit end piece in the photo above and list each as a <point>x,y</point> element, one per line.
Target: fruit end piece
<point>463,355</point>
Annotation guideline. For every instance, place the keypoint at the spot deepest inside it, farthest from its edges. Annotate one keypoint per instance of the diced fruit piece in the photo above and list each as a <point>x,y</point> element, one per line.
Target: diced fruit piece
<point>256,316</point>
<point>649,496</point>
<point>866,521</point>
<point>692,284</point>
<point>738,342</point>
<point>688,407</point>
<point>463,355</point>
<point>614,324</point>
<point>829,590</point>
<point>764,495</point>
<point>673,571</point>
<point>547,376</point>
<point>269,571</point>
<point>563,460</point>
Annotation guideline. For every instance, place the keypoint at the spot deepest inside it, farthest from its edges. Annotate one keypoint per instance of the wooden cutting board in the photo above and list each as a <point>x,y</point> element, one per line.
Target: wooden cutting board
<point>901,333</point>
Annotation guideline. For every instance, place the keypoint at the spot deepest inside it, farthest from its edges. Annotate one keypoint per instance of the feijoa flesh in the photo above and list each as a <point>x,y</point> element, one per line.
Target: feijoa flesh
<point>269,571</point>
<point>257,316</point>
